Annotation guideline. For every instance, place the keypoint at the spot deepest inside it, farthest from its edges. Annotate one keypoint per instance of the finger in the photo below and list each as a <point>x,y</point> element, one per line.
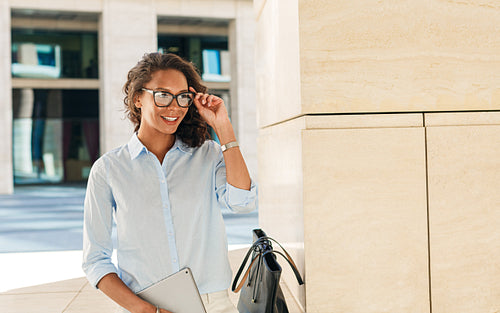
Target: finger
<point>192,89</point>
<point>210,98</point>
<point>217,100</point>
<point>197,96</point>
<point>197,102</point>
<point>204,98</point>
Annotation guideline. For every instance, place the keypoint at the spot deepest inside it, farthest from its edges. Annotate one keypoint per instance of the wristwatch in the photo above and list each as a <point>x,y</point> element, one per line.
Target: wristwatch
<point>229,145</point>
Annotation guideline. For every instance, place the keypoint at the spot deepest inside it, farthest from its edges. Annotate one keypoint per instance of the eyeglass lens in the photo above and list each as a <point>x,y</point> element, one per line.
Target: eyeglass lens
<point>164,98</point>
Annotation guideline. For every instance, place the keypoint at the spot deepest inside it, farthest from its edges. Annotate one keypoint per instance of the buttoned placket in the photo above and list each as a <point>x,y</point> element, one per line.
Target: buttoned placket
<point>167,213</point>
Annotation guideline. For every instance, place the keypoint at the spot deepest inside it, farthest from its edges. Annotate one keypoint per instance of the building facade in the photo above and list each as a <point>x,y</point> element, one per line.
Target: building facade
<point>63,66</point>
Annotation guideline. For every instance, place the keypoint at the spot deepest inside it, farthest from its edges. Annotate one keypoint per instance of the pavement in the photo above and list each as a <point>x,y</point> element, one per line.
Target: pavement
<point>40,251</point>
<point>50,218</point>
<point>75,295</point>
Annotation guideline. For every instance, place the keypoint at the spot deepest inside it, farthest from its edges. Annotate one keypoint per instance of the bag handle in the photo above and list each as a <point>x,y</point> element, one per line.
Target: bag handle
<point>259,241</point>
<point>290,262</point>
<point>237,289</point>
<point>288,257</point>
<point>242,266</point>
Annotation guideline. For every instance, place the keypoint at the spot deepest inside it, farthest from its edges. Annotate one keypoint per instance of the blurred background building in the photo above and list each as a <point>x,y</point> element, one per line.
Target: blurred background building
<point>63,65</point>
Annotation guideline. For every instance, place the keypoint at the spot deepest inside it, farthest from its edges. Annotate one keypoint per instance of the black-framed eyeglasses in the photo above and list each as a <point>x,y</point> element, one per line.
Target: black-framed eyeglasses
<point>164,98</point>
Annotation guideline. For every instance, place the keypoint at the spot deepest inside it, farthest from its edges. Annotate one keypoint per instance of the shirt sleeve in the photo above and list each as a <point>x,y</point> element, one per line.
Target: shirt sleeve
<point>235,199</point>
<point>97,226</point>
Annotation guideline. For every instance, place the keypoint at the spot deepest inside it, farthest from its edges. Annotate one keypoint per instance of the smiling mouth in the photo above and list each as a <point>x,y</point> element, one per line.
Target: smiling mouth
<point>170,119</point>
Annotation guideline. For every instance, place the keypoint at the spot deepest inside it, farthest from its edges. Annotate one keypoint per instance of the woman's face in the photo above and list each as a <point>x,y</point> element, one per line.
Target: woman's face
<point>162,120</point>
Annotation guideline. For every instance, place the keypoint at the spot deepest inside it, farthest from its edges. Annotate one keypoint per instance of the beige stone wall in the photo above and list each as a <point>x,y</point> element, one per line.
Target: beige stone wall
<point>464,215</point>
<point>218,9</point>
<point>6,186</point>
<point>281,207</point>
<point>277,66</point>
<point>242,86</point>
<point>58,5</point>
<point>386,206</point>
<point>394,56</point>
<point>365,218</point>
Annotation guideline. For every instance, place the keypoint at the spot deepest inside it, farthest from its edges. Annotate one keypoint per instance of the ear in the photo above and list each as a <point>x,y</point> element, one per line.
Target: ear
<point>137,102</point>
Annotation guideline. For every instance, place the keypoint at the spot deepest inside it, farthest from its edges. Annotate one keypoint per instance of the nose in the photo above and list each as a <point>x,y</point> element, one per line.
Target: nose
<point>176,102</point>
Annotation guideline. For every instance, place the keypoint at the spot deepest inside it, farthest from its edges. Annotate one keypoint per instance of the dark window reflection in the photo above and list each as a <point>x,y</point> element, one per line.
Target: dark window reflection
<point>55,134</point>
<point>209,53</point>
<point>52,54</point>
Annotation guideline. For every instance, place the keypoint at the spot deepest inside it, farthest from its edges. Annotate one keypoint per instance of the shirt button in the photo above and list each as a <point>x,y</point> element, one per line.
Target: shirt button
<point>174,260</point>
<point>162,181</point>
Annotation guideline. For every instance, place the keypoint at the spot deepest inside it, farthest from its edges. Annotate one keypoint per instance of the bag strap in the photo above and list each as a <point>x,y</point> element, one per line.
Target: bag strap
<point>288,257</point>
<point>290,262</point>
<point>237,289</point>
<point>242,266</point>
<point>259,241</point>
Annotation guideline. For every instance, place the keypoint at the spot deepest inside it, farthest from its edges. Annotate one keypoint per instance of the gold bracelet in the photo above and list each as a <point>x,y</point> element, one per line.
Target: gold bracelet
<point>229,145</point>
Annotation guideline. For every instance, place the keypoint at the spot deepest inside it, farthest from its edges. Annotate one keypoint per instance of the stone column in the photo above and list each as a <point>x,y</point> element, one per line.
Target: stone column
<point>6,179</point>
<point>243,100</point>
<point>127,31</point>
<point>381,201</point>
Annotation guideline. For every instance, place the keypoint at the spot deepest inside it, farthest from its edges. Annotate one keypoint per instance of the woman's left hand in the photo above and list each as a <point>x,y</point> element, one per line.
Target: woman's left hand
<point>211,108</point>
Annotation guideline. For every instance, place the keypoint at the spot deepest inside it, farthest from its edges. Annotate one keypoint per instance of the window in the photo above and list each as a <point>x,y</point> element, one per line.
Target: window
<point>209,53</point>
<point>54,54</point>
<point>55,134</point>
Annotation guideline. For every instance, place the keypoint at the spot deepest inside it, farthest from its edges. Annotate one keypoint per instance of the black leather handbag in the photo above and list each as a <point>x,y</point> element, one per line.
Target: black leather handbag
<point>260,289</point>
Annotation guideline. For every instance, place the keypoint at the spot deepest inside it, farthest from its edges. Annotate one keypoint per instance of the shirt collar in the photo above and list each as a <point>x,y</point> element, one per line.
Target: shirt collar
<point>135,146</point>
<point>182,146</point>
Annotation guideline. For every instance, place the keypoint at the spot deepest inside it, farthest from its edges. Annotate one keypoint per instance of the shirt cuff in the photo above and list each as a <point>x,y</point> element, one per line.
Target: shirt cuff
<point>95,274</point>
<point>242,200</point>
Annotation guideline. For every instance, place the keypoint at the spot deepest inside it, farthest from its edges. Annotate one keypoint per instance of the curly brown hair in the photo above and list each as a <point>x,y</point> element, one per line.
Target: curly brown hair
<point>192,130</point>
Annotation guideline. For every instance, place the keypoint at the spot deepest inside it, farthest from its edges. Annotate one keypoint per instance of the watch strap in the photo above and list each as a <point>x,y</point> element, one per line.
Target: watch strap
<point>229,145</point>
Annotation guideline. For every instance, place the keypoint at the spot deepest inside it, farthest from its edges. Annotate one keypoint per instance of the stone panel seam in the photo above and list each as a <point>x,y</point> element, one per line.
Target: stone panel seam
<point>259,11</point>
<point>74,298</point>
<point>403,55</point>
<point>284,121</point>
<point>428,214</point>
<point>462,125</point>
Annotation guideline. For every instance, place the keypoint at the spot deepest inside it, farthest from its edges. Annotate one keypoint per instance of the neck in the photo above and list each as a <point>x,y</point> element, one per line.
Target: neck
<point>159,144</point>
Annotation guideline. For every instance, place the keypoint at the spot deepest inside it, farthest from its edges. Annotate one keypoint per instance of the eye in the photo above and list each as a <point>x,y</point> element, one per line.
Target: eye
<point>186,96</point>
<point>163,95</point>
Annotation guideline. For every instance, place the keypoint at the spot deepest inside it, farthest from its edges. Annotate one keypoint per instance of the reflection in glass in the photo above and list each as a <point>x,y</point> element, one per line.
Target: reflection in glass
<point>55,134</point>
<point>36,61</point>
<point>209,53</point>
<point>54,54</point>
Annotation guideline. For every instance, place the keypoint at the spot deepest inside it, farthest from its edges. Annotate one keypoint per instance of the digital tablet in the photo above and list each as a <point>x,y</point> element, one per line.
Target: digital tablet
<point>177,293</point>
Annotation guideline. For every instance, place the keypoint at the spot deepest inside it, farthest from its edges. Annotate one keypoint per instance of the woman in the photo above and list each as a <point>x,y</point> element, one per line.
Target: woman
<point>165,190</point>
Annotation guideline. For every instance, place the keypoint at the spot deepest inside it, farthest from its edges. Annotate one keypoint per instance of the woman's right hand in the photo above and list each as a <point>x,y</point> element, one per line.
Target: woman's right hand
<point>152,309</point>
<point>112,286</point>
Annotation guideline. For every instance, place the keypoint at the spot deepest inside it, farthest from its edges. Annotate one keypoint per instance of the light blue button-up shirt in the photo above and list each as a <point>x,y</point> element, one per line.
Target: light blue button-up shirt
<point>168,216</point>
